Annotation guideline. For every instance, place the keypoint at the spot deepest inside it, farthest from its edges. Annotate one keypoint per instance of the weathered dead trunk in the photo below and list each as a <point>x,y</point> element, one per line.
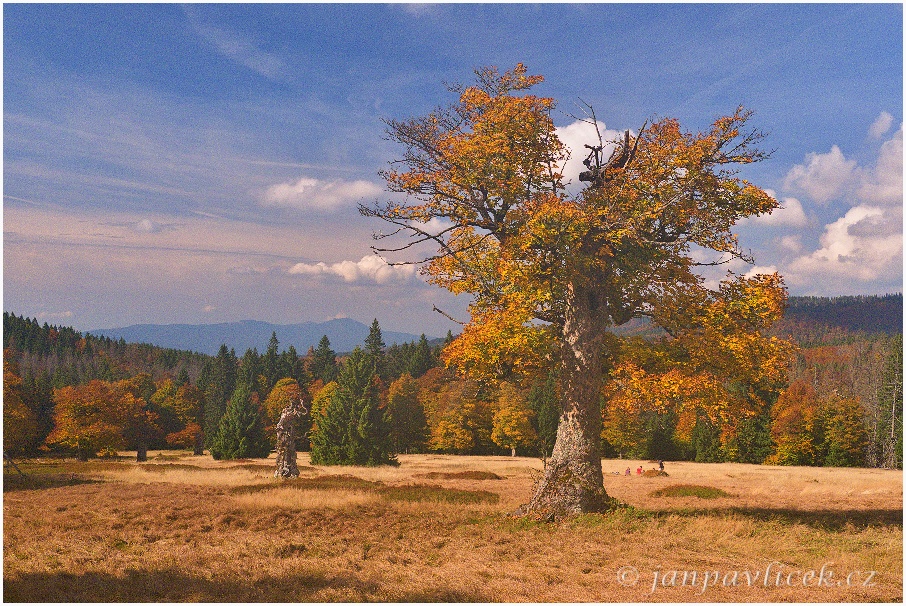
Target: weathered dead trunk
<point>286,440</point>
<point>572,482</point>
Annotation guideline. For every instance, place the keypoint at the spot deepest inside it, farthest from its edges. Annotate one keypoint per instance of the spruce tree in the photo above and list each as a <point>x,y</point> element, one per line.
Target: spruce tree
<point>271,365</point>
<point>250,370</point>
<point>542,399</point>
<point>353,429</point>
<point>409,427</point>
<point>374,349</point>
<point>183,377</point>
<point>330,422</point>
<point>324,362</point>
<point>241,431</point>
<point>218,382</point>
<point>422,358</point>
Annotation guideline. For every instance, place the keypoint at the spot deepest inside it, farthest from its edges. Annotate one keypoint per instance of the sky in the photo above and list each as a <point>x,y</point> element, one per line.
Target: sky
<point>203,163</point>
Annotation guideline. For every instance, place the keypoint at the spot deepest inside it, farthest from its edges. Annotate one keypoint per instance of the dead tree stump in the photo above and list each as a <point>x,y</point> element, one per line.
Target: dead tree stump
<point>286,440</point>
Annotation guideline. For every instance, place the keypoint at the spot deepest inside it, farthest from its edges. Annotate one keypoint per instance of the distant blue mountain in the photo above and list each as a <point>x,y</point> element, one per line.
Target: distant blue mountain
<point>344,334</point>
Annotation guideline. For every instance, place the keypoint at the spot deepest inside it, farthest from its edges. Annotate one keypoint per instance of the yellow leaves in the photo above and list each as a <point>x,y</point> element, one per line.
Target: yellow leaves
<point>724,332</point>
<point>634,389</point>
<point>458,419</point>
<point>499,343</point>
<point>320,401</point>
<point>512,420</point>
<point>284,393</point>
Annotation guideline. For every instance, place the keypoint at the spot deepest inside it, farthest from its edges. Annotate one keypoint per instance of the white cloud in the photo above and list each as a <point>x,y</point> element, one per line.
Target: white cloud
<point>147,226</point>
<point>823,177</point>
<point>883,184</point>
<point>371,268</point>
<point>880,126</point>
<point>575,137</point>
<point>316,194</point>
<point>865,244</point>
<point>761,269</point>
<point>789,214</point>
<point>791,243</point>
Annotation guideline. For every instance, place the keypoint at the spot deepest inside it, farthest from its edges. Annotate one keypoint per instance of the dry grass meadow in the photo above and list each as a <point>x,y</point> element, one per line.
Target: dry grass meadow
<point>437,528</point>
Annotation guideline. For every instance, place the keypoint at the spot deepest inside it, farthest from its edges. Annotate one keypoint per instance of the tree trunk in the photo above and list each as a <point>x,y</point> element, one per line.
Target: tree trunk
<point>141,454</point>
<point>572,482</point>
<point>513,452</point>
<point>199,444</point>
<point>286,441</point>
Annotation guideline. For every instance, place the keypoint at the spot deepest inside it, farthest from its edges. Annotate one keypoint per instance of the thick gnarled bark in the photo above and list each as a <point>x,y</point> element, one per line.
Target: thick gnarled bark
<point>286,440</point>
<point>572,482</point>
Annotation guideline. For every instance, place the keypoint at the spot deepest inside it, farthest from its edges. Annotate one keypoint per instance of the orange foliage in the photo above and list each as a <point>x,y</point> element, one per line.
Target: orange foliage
<point>284,393</point>
<point>20,424</point>
<point>489,166</point>
<point>93,417</point>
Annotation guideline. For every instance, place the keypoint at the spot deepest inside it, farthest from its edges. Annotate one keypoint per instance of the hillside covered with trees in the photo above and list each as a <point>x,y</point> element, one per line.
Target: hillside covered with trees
<point>71,393</point>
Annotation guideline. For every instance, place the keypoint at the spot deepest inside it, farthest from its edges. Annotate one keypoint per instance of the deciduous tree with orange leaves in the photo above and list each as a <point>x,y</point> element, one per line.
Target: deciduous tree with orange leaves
<point>20,424</point>
<point>549,272</point>
<point>94,417</point>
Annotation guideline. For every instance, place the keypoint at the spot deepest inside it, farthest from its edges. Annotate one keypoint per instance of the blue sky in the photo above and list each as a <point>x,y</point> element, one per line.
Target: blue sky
<point>203,163</point>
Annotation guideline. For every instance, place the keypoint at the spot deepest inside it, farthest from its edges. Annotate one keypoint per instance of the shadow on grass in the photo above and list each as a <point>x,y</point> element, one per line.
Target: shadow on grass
<point>822,519</point>
<point>177,586</point>
<point>15,482</point>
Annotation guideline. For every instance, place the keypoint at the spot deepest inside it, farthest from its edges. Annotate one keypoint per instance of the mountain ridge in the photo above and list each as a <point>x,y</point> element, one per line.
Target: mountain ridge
<point>345,334</point>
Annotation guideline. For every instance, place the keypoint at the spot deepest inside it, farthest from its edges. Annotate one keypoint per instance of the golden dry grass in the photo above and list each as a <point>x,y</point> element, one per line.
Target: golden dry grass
<point>189,528</point>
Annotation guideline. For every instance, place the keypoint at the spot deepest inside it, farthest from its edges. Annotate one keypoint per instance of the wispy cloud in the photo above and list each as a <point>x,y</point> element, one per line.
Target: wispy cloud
<point>238,48</point>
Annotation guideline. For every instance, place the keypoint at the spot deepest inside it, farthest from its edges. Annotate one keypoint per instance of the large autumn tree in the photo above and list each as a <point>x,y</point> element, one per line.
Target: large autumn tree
<point>550,272</point>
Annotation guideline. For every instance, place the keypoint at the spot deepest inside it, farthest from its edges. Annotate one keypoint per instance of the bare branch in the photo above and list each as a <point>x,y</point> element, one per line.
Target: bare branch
<point>712,263</point>
<point>448,316</point>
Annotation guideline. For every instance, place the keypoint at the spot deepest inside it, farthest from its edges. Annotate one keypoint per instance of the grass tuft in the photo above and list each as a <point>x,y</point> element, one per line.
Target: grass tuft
<point>437,494</point>
<point>165,467</point>
<point>691,490</point>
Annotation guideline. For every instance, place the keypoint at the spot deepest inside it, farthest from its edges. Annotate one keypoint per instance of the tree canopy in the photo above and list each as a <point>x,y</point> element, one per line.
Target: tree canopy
<point>549,272</point>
